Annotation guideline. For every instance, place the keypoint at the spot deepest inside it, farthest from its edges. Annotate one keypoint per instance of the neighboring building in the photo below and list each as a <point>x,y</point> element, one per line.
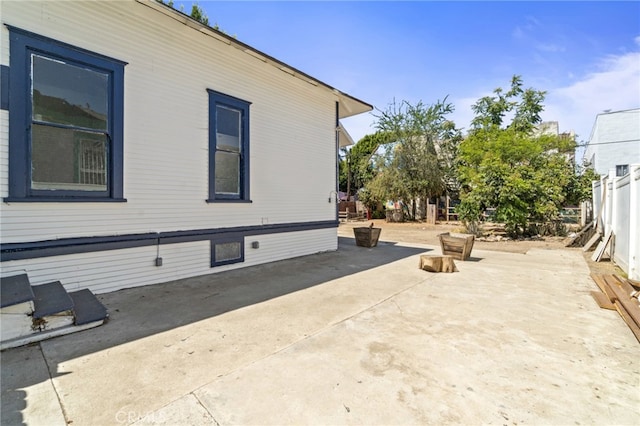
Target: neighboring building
<point>547,128</point>
<point>138,146</point>
<point>553,129</point>
<point>615,142</point>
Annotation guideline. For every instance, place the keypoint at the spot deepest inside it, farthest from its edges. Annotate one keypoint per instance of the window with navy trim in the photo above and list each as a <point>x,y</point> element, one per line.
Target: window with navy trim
<point>228,148</point>
<point>65,122</point>
<point>227,250</point>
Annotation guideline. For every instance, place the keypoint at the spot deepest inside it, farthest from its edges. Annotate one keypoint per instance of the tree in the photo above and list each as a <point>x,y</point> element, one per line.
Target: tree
<point>579,188</point>
<point>526,177</point>
<point>197,12</point>
<point>356,166</point>
<point>411,168</point>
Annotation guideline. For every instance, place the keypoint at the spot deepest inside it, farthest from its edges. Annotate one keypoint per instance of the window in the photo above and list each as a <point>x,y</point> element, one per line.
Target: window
<point>228,148</point>
<point>227,250</point>
<point>622,169</point>
<point>65,120</point>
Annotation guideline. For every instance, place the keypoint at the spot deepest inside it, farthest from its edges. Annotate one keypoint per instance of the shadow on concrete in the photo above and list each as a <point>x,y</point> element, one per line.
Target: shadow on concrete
<point>13,402</point>
<point>139,312</point>
<point>143,311</point>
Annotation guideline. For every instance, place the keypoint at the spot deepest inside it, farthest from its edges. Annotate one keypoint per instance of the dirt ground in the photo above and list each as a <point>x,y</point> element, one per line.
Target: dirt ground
<point>423,233</point>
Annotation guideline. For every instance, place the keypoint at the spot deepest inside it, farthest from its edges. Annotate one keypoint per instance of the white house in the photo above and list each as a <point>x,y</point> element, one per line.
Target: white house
<point>614,143</point>
<point>139,146</point>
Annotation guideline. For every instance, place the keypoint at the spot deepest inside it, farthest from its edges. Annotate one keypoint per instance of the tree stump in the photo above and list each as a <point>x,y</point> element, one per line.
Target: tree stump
<point>434,263</point>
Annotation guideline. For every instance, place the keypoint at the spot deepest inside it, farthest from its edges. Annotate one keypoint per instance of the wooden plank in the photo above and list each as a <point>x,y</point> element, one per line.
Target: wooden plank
<point>602,300</point>
<point>627,319</point>
<point>592,241</point>
<point>599,251</point>
<point>629,304</point>
<point>604,287</point>
<point>626,287</point>
<point>579,235</point>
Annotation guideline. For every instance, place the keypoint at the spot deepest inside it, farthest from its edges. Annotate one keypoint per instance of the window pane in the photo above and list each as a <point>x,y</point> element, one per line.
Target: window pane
<point>622,169</point>
<point>227,129</point>
<point>67,159</point>
<point>68,94</point>
<point>227,173</point>
<point>227,251</point>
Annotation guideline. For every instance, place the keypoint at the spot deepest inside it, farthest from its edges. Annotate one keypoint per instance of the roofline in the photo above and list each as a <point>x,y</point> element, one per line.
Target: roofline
<point>225,38</point>
<point>616,112</point>
<point>595,122</point>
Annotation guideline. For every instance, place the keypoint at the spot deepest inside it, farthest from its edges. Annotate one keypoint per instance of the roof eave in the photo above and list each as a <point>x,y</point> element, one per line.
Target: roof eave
<point>349,105</point>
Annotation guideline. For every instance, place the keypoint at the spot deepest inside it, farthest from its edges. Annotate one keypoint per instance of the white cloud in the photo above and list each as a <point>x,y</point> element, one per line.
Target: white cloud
<point>615,86</point>
<point>532,33</point>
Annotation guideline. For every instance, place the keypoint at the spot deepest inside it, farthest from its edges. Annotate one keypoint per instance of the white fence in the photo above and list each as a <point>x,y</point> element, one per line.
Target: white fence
<point>616,201</point>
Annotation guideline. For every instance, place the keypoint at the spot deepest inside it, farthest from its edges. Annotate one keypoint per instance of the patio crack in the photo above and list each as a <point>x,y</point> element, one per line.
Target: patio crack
<point>53,385</point>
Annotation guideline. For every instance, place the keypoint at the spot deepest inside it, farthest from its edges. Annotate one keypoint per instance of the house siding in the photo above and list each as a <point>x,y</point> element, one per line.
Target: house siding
<point>112,270</point>
<point>615,140</point>
<point>169,68</point>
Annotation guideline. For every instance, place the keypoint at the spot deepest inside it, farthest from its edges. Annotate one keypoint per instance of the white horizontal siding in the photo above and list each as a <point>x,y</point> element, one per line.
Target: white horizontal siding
<point>621,127</point>
<point>170,66</point>
<point>116,269</point>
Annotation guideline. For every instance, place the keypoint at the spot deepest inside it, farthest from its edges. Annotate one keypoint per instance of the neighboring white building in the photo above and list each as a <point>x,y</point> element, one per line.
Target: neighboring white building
<point>552,128</point>
<point>615,142</point>
<point>138,146</point>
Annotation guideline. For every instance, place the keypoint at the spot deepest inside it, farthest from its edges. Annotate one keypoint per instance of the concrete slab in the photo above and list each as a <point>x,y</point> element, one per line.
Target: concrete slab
<point>28,396</point>
<point>462,348</point>
<point>165,341</point>
<point>187,411</point>
<point>356,336</point>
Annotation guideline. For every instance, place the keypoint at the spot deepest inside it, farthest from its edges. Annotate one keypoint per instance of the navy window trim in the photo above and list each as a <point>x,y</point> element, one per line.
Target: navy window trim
<point>223,239</point>
<point>22,45</point>
<point>4,87</point>
<point>219,99</point>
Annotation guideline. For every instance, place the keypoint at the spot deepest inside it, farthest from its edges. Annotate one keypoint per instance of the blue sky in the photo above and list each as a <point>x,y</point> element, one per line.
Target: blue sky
<point>586,55</point>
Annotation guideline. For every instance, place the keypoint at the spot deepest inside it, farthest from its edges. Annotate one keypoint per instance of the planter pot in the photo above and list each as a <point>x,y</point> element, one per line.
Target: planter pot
<point>367,236</point>
<point>456,245</point>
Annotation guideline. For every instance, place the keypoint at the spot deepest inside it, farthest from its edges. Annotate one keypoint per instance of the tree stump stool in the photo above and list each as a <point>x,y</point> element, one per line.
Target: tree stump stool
<point>435,263</point>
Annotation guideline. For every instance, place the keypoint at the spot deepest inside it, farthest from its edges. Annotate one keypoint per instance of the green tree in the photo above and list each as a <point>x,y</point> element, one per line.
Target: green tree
<point>526,177</point>
<point>198,14</point>
<point>579,188</point>
<point>356,165</point>
<point>412,168</point>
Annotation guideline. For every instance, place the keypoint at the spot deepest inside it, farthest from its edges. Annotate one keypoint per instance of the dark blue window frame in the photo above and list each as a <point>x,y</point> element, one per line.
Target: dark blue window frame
<point>233,238</point>
<point>22,45</point>
<point>219,99</point>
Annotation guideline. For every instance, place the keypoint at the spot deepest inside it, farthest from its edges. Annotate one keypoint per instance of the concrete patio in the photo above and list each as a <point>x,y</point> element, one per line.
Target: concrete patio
<point>357,336</point>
